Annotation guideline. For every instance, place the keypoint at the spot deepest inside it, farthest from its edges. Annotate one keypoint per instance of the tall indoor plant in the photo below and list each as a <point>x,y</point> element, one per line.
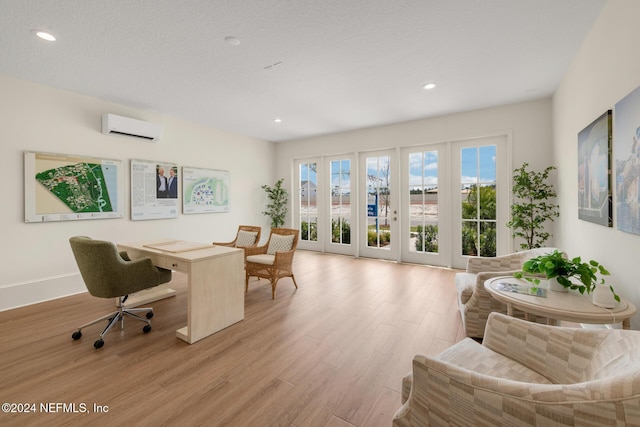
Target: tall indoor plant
<point>277,206</point>
<point>532,206</point>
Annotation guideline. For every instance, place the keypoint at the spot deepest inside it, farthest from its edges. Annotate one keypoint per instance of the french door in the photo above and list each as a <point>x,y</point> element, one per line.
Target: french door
<point>480,198</point>
<point>434,204</point>
<point>341,219</point>
<point>307,197</point>
<point>455,201</point>
<point>379,205</point>
<point>426,212</point>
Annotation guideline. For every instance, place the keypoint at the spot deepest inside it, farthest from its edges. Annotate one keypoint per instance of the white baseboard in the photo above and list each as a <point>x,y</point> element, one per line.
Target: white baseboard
<point>26,293</point>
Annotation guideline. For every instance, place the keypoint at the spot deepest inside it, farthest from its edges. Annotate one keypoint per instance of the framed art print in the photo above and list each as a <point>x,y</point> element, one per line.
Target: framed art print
<point>627,162</point>
<point>594,177</point>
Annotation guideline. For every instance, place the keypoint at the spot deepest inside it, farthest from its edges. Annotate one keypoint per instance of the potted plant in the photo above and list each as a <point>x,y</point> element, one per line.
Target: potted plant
<point>554,265</point>
<point>277,207</point>
<point>531,207</point>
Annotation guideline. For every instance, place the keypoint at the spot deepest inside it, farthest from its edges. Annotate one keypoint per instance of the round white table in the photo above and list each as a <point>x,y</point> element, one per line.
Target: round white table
<point>570,306</point>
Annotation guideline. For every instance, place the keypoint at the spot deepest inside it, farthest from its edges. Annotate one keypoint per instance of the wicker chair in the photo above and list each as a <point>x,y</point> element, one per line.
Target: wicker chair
<point>274,260</point>
<point>247,236</point>
<point>527,374</point>
<point>474,302</point>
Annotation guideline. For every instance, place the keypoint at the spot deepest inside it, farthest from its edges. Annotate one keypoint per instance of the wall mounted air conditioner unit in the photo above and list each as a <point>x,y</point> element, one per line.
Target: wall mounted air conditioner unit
<point>119,125</point>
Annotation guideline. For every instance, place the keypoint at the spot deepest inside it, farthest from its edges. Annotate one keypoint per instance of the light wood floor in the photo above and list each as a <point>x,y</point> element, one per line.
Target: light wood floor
<point>331,353</point>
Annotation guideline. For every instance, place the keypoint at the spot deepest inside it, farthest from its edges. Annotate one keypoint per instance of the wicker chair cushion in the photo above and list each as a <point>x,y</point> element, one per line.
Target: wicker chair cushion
<point>246,238</point>
<point>279,243</point>
<point>262,259</point>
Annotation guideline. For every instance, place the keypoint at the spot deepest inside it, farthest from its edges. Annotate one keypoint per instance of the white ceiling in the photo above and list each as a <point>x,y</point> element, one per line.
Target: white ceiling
<point>340,64</point>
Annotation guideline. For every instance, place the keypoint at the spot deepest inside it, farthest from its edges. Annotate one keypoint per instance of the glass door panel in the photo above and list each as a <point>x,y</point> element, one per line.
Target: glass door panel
<point>423,202</point>
<point>424,205</point>
<point>481,177</point>
<point>340,202</point>
<point>478,200</point>
<point>308,197</point>
<point>379,238</point>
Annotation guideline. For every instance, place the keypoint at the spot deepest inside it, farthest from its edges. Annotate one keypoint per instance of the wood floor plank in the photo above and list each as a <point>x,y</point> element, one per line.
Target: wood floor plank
<point>330,353</point>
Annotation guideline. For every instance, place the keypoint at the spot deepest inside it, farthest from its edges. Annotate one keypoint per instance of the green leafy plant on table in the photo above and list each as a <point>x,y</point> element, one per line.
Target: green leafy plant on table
<point>555,265</point>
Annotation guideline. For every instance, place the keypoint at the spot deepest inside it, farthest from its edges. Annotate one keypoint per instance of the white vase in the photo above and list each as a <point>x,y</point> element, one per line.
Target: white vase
<point>603,297</point>
<point>553,285</point>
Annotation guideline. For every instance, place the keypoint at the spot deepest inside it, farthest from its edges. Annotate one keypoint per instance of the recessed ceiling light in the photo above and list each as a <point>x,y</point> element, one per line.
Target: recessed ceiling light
<point>277,120</point>
<point>44,35</point>
<point>232,40</point>
<point>429,86</point>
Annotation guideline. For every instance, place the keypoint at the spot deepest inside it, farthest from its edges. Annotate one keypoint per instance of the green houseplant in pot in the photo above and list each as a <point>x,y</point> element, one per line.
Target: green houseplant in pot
<point>556,266</point>
<point>532,207</point>
<point>277,206</point>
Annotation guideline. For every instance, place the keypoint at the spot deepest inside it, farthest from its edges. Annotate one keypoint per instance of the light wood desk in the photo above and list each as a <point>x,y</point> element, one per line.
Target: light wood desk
<point>215,295</point>
<point>570,306</point>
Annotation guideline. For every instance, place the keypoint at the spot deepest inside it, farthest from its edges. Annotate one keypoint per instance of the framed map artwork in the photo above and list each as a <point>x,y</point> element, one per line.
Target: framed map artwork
<point>62,187</point>
<point>204,190</point>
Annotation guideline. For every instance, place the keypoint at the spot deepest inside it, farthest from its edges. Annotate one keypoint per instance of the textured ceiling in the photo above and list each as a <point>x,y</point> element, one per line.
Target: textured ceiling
<point>322,66</point>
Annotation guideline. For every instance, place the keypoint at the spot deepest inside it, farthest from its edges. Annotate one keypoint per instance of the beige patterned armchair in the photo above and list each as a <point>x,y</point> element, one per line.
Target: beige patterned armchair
<point>526,374</point>
<point>474,301</point>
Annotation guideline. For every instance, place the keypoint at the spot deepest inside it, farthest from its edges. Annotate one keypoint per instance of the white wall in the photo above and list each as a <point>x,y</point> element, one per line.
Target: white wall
<point>37,260</point>
<point>529,123</point>
<point>606,69</point>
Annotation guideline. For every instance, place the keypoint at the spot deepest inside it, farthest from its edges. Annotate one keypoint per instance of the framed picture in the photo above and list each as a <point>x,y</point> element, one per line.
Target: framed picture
<point>154,190</point>
<point>65,187</point>
<point>627,162</point>
<point>594,177</point>
<point>204,190</point>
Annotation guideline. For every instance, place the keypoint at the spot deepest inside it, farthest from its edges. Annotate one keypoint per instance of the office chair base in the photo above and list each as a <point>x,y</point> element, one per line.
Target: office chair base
<point>117,317</point>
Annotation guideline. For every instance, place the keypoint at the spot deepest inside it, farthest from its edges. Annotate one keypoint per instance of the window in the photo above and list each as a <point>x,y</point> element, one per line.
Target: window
<point>307,192</point>
<point>423,202</point>
<point>341,201</point>
<point>478,200</point>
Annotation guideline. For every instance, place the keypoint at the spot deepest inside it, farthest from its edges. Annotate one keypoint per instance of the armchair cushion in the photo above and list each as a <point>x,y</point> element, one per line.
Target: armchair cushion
<point>278,243</point>
<point>246,238</point>
<point>265,259</point>
<point>465,282</point>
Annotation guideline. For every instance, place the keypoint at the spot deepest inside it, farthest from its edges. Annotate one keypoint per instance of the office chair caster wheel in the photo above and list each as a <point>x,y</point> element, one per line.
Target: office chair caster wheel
<point>146,329</point>
<point>98,344</point>
<point>150,315</point>
<point>76,335</point>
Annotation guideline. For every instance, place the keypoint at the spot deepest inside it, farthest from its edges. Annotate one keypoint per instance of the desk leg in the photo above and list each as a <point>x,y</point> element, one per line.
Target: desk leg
<point>215,296</point>
<point>510,309</point>
<point>626,324</point>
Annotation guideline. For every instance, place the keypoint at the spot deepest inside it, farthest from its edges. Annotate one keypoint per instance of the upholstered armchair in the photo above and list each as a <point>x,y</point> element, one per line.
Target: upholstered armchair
<point>525,374</point>
<point>247,236</point>
<point>274,260</point>
<point>474,301</point>
<point>108,273</point>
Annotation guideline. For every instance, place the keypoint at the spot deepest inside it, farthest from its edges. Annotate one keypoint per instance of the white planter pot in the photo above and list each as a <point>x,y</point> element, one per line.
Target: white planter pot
<point>553,285</point>
<point>603,297</point>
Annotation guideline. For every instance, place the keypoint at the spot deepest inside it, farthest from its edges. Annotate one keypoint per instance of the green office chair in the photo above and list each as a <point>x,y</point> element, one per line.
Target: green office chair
<point>108,273</point>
